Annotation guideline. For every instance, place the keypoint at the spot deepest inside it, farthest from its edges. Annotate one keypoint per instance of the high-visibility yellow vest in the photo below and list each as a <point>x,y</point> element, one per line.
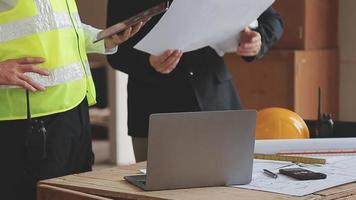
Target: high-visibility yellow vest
<point>50,29</point>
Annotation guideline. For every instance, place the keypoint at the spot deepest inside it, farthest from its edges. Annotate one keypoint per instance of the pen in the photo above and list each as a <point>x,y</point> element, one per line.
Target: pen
<point>270,174</point>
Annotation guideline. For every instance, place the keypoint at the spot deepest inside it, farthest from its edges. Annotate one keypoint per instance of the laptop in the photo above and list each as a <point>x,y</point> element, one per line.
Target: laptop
<point>199,149</point>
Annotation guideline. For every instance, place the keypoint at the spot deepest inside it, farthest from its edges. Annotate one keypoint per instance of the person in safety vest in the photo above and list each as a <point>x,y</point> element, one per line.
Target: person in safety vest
<point>45,132</point>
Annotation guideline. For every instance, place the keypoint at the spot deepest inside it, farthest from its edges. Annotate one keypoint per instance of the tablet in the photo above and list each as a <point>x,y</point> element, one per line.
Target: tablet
<point>132,21</point>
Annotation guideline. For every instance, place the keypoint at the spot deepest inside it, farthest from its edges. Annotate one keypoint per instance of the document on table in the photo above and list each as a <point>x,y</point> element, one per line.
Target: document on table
<point>339,171</point>
<point>189,25</point>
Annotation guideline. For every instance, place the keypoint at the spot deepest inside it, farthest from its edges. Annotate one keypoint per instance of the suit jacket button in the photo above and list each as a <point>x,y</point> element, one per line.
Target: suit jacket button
<point>191,73</point>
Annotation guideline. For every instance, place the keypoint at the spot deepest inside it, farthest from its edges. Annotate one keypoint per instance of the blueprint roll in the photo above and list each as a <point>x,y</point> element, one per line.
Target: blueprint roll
<point>307,146</point>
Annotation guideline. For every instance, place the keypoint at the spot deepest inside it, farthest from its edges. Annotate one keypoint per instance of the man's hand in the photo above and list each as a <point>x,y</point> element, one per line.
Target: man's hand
<point>12,73</point>
<point>166,62</point>
<point>116,40</point>
<point>250,43</point>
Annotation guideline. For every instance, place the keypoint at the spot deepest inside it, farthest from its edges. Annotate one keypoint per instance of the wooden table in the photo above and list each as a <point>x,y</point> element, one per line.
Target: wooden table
<point>109,184</point>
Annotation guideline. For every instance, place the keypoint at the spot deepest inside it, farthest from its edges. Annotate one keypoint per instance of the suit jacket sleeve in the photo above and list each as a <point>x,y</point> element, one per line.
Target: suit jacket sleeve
<point>271,30</point>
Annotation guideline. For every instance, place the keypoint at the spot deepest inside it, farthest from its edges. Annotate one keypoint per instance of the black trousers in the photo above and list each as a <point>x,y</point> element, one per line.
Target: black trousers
<point>68,147</point>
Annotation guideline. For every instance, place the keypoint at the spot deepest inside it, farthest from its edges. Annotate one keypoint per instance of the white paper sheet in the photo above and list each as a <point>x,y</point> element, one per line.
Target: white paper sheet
<point>339,171</point>
<point>189,25</point>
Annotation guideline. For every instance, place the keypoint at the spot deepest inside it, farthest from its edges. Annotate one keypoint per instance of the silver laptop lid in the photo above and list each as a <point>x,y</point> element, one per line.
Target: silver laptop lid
<point>200,149</point>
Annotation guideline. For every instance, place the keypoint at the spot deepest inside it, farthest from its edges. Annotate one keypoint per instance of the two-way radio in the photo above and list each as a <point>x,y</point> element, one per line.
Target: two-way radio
<point>324,124</point>
<point>36,138</point>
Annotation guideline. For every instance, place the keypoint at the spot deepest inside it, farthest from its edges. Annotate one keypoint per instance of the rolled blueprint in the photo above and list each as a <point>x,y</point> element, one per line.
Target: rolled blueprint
<point>306,145</point>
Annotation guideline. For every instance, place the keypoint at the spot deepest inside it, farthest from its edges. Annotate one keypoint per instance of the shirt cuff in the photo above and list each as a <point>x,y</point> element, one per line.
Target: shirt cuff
<point>100,48</point>
<point>111,51</point>
<point>91,34</point>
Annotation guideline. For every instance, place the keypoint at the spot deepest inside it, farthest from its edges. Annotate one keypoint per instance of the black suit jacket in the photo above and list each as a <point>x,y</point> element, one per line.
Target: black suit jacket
<point>201,81</point>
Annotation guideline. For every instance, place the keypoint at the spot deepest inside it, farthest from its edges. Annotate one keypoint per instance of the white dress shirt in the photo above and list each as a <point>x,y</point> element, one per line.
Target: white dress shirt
<point>90,32</point>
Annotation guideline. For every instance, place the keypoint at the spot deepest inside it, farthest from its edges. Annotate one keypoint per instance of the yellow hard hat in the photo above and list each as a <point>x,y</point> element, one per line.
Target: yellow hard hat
<point>280,123</point>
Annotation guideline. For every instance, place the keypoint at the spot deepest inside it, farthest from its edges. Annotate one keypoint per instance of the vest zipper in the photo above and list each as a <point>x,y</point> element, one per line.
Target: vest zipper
<point>78,38</point>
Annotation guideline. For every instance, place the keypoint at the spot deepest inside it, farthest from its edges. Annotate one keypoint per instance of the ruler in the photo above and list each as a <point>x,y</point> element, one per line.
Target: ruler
<point>294,159</point>
<point>346,152</point>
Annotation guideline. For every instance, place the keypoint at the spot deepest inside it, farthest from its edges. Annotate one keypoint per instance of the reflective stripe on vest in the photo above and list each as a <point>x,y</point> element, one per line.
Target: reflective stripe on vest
<point>46,20</point>
<point>25,27</point>
<point>57,76</point>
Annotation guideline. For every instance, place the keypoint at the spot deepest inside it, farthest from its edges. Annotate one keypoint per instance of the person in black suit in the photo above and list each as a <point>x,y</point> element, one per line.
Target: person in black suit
<point>173,82</point>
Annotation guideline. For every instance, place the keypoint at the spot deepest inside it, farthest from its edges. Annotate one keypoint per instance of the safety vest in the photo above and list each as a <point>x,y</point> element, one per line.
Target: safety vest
<point>49,29</point>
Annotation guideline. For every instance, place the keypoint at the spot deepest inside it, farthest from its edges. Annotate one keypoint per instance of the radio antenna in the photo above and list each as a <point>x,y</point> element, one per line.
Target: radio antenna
<point>319,104</point>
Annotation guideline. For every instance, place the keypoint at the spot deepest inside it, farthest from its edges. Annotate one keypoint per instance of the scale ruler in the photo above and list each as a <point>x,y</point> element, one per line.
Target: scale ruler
<point>347,152</point>
<point>295,159</point>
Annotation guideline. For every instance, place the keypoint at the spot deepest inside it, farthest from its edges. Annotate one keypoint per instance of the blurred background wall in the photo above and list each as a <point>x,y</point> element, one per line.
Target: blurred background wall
<point>347,38</point>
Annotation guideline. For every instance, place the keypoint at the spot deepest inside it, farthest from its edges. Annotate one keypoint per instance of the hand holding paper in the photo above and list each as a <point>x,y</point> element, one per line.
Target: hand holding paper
<point>249,43</point>
<point>166,62</point>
